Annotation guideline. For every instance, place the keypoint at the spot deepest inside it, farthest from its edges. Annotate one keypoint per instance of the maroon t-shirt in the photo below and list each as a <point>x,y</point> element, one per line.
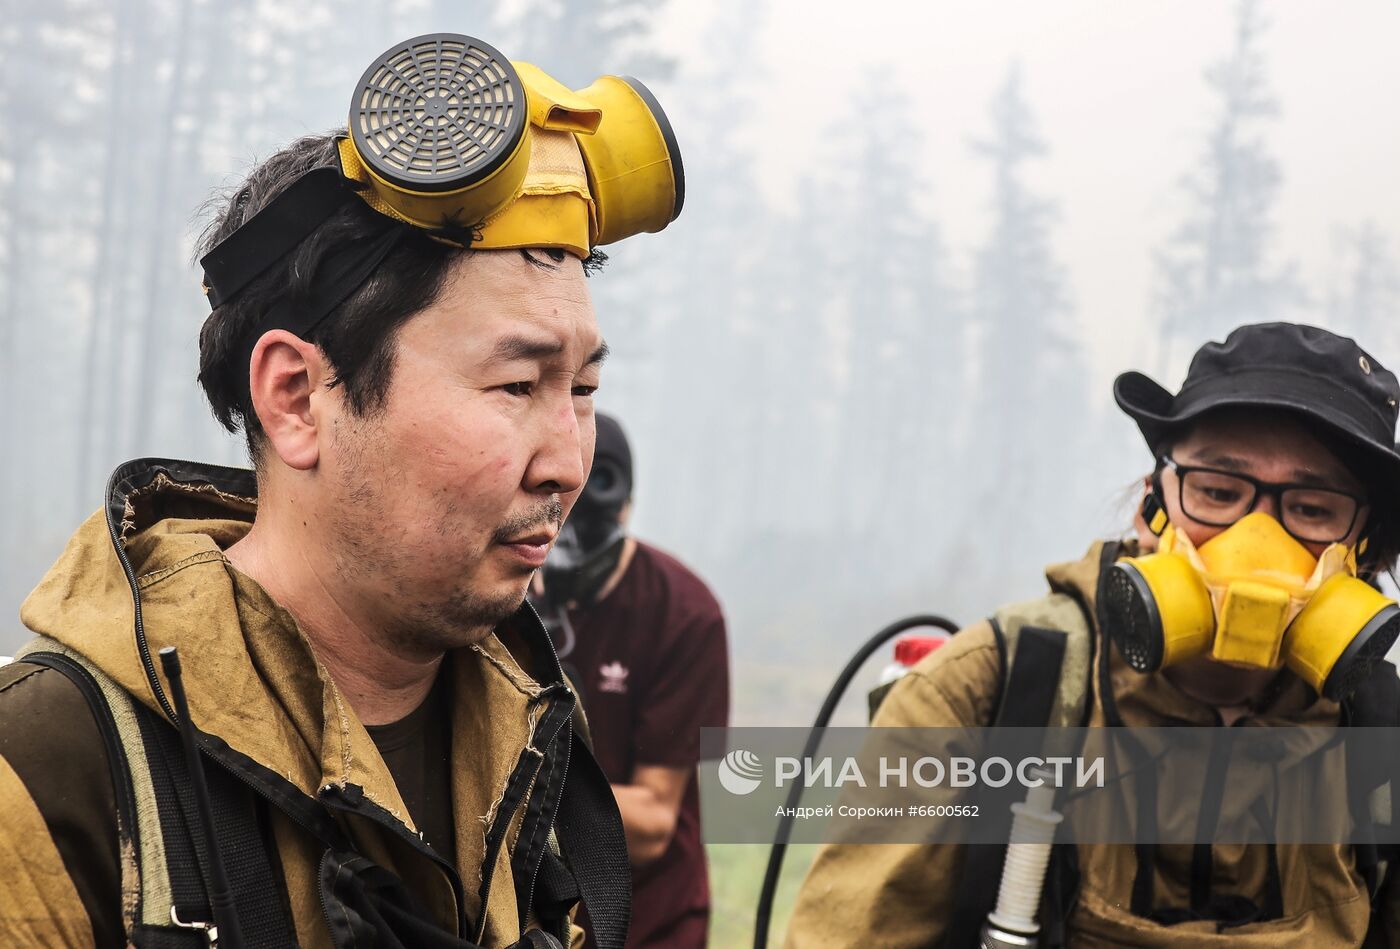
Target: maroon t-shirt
<point>653,666</point>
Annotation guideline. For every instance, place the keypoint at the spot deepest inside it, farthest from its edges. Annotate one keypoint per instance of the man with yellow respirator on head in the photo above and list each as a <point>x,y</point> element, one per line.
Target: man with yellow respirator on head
<point>307,704</point>
<point>1245,599</point>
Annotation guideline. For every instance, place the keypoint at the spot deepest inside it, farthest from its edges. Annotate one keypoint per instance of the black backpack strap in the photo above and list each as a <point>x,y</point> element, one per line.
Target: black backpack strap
<point>157,820</point>
<point>1046,652</point>
<point>1385,856</point>
<point>1068,680</point>
<point>1027,698</point>
<point>589,829</point>
<point>1061,892</point>
<point>249,855</point>
<point>556,890</point>
<point>122,784</point>
<point>1034,679</point>
<point>1371,782</point>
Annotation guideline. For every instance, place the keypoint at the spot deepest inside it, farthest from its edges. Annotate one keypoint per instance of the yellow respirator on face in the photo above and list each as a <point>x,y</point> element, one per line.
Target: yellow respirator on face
<point>446,134</point>
<point>1254,596</point>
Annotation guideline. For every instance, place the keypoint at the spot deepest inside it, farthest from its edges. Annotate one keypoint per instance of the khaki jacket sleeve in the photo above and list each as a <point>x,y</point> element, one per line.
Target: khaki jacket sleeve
<point>901,894</point>
<point>39,905</point>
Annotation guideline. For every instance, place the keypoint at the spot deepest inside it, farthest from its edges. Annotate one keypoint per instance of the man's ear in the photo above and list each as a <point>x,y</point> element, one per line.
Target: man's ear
<point>284,374</point>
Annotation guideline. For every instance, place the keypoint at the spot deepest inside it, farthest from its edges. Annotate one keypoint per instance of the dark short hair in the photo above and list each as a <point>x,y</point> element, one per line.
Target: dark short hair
<point>358,336</point>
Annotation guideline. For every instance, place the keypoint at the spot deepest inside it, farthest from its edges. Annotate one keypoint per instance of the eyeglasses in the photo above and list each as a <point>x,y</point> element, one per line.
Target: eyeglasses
<point>1219,498</point>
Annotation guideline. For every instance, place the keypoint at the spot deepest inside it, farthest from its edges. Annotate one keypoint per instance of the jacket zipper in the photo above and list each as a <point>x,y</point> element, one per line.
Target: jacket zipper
<point>530,889</point>
<point>325,910</point>
<point>558,670</point>
<point>488,870</point>
<point>489,873</point>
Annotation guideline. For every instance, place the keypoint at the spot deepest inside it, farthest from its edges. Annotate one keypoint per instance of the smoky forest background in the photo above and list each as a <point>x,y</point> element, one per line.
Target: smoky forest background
<point>843,410</point>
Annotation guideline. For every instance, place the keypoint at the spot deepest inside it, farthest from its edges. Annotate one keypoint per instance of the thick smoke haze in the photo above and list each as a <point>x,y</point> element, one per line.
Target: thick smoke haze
<point>866,373</point>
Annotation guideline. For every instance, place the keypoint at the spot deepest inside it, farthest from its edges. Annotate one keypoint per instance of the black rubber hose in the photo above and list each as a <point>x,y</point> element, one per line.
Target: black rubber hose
<point>838,689</point>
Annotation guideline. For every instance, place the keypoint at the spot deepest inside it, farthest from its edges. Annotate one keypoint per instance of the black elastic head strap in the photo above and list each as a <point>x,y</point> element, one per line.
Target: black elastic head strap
<point>342,273</point>
<point>1363,540</point>
<point>1153,513</point>
<point>273,232</point>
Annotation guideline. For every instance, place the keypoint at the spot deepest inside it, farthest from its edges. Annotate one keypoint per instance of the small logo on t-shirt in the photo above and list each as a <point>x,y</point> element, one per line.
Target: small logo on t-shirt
<point>614,678</point>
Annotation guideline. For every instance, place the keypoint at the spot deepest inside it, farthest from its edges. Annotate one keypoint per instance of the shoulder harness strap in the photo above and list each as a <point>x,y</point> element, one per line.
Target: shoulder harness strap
<point>1046,648</point>
<point>1047,644</point>
<point>1370,781</point>
<point>164,897</point>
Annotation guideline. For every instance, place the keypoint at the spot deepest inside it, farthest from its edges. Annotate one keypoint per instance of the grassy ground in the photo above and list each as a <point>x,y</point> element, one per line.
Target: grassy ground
<point>736,875</point>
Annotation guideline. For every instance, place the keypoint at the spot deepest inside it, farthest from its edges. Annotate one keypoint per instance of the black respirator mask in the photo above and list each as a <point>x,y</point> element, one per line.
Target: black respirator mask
<point>590,543</point>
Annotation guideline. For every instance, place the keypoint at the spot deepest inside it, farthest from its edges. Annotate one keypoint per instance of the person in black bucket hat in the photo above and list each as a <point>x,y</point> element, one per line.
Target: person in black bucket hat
<point>1275,465</point>
<point>1345,394</point>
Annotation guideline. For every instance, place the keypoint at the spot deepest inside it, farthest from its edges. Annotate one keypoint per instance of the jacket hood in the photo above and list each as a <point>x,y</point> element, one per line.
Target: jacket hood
<point>151,562</point>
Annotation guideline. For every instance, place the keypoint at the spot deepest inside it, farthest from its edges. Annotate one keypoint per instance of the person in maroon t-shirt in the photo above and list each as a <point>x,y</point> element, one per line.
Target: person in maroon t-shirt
<point>643,639</point>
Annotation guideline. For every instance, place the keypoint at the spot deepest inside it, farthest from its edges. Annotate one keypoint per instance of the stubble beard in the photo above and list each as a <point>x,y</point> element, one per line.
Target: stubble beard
<point>428,618</point>
<point>462,619</point>
<point>428,621</point>
<point>467,616</point>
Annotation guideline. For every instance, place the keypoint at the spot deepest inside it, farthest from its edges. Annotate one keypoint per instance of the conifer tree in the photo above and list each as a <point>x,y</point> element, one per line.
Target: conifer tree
<point>1366,301</point>
<point>581,41</point>
<point>1216,271</point>
<point>896,319</point>
<point>1028,359</point>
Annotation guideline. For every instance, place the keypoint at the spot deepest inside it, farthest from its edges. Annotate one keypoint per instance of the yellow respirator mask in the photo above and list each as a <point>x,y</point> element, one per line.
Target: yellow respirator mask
<point>445,133</point>
<point>447,136</point>
<point>1254,596</point>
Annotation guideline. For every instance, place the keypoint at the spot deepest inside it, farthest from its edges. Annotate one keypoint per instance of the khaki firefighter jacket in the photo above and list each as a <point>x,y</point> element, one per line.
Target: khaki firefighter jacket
<point>896,895</point>
<point>149,571</point>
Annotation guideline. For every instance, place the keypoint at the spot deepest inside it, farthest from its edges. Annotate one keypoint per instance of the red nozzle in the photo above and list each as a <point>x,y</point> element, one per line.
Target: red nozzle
<point>908,650</point>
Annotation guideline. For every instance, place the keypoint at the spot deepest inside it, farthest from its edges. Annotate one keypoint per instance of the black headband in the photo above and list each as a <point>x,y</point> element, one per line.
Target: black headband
<point>340,274</point>
<point>273,232</point>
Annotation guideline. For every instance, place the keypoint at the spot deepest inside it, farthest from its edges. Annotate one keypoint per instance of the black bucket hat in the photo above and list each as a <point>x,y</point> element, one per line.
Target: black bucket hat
<point>1304,369</point>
